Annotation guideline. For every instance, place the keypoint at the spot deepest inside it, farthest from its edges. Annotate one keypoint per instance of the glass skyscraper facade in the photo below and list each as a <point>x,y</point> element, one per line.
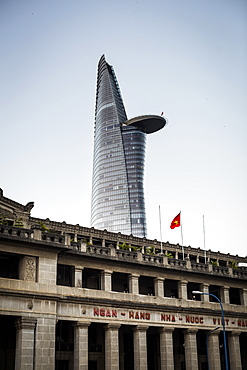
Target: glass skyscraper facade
<point>118,203</point>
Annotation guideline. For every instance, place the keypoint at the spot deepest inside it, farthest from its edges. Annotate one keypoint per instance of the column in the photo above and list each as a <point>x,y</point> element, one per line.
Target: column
<point>225,295</point>
<point>166,349</point>
<point>45,343</point>
<point>112,347</point>
<point>243,297</point>
<point>182,289</point>
<point>77,277</point>
<point>106,280</point>
<point>190,343</point>
<point>81,345</point>
<point>214,351</point>
<point>25,340</point>
<point>37,231</point>
<point>140,347</point>
<point>134,283</point>
<point>159,287</point>
<point>205,289</point>
<point>234,350</point>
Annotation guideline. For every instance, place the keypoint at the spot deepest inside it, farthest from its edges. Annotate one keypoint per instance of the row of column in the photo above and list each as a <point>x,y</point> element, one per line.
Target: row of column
<point>166,348</point>
<point>25,347</point>
<point>106,285</point>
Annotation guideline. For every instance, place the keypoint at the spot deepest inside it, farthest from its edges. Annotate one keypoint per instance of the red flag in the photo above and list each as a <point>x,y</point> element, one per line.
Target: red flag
<point>175,222</point>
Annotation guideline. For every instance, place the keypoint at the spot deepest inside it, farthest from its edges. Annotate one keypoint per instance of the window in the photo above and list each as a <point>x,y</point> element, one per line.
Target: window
<point>215,290</point>
<point>64,336</point>
<point>64,275</point>
<point>190,288</point>
<point>120,282</point>
<point>234,296</point>
<point>9,266</point>
<point>171,288</point>
<point>91,278</point>
<point>146,285</point>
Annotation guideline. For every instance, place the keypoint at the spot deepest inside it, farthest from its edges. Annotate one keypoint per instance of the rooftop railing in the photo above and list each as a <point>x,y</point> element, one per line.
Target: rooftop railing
<point>114,251</point>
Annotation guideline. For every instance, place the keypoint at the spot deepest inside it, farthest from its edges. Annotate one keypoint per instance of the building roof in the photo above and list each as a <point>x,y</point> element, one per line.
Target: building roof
<point>148,123</point>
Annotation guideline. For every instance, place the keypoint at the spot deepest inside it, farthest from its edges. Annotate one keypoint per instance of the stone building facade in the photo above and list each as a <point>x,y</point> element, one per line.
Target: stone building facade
<point>78,298</point>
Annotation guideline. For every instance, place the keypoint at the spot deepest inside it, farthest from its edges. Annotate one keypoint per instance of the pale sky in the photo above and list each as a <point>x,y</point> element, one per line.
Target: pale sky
<point>187,58</point>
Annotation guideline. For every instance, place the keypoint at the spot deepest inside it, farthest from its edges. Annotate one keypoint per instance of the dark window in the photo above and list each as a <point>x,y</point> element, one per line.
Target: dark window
<point>146,285</point>
<point>93,338</point>
<point>92,365</point>
<point>7,342</point>
<point>9,266</point>
<point>201,344</point>
<point>171,288</point>
<point>190,288</point>
<point>215,290</point>
<point>64,336</point>
<point>62,365</point>
<point>234,295</point>
<point>243,341</point>
<point>192,258</point>
<point>91,278</point>
<point>202,259</point>
<point>128,345</point>
<point>64,275</point>
<point>120,282</point>
<point>222,263</point>
<point>153,348</point>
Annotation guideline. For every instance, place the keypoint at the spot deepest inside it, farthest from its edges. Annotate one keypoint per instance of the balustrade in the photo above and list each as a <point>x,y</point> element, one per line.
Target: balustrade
<point>113,251</point>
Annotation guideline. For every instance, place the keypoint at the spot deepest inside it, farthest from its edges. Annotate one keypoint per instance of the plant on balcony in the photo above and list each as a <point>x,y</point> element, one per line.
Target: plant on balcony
<point>214,263</point>
<point>233,264</point>
<point>151,250</point>
<point>87,242</point>
<point>3,220</point>
<point>135,249</point>
<point>169,255</point>
<point>19,223</point>
<point>124,246</point>
<point>45,229</point>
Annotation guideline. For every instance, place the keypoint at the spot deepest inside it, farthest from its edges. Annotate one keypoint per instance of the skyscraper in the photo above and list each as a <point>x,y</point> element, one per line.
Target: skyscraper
<point>118,202</point>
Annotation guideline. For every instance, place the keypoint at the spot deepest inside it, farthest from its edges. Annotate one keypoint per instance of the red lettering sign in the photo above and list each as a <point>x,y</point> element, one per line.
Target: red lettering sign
<point>104,313</point>
<point>194,319</point>
<point>219,321</point>
<point>168,318</point>
<point>242,323</point>
<point>139,315</point>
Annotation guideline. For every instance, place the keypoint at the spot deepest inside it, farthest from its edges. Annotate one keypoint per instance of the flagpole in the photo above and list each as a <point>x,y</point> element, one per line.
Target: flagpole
<point>204,242</point>
<point>182,235</point>
<point>161,247</point>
